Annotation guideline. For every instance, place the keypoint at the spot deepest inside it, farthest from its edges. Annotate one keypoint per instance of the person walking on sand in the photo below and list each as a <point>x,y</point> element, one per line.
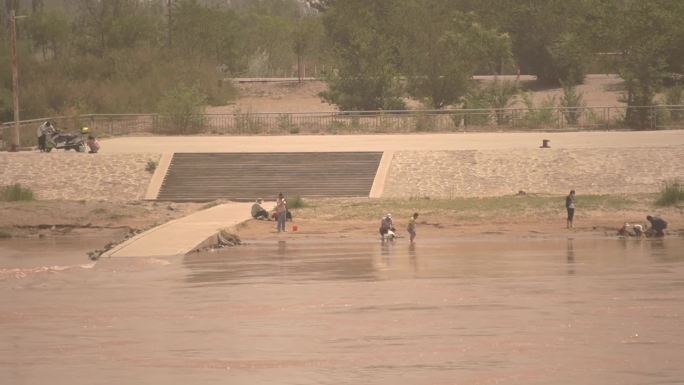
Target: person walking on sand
<point>570,206</point>
<point>411,228</point>
<point>281,210</point>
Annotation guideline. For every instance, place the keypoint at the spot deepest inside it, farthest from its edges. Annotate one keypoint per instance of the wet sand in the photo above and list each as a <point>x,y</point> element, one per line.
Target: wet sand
<point>484,311</point>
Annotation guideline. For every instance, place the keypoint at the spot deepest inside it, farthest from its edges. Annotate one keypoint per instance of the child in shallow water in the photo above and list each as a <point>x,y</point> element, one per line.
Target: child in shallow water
<point>411,228</point>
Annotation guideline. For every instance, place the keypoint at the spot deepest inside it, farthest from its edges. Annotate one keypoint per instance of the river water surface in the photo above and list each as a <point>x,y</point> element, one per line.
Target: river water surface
<point>487,311</point>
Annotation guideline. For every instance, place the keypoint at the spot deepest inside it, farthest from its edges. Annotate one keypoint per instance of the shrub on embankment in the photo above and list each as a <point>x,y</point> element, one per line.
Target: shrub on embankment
<point>671,193</point>
<point>16,192</point>
<point>296,202</point>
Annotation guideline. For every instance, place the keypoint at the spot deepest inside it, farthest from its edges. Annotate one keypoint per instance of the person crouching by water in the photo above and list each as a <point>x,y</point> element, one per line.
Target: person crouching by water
<point>624,230</point>
<point>658,225</point>
<point>411,228</point>
<point>93,145</point>
<point>638,230</point>
<point>386,225</point>
<point>281,210</point>
<point>258,212</point>
<point>570,206</point>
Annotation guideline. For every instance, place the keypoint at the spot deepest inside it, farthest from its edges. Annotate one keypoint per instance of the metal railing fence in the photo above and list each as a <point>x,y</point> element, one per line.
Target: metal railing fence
<point>359,122</point>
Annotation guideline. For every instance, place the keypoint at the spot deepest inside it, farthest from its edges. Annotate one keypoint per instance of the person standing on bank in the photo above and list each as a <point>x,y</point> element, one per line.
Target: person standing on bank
<point>570,206</point>
<point>41,134</point>
<point>411,228</point>
<point>281,210</point>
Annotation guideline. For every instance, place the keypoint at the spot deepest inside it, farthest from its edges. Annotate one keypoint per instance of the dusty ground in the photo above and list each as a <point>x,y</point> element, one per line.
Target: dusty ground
<point>61,217</point>
<point>598,91</point>
<point>277,97</point>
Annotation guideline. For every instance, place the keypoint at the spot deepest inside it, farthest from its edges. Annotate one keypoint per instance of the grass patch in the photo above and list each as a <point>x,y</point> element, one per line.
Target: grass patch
<point>16,192</point>
<point>671,194</point>
<point>460,208</point>
<point>5,235</point>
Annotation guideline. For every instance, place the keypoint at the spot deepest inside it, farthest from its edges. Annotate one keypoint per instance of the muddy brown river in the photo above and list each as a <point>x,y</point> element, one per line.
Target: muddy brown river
<point>480,311</point>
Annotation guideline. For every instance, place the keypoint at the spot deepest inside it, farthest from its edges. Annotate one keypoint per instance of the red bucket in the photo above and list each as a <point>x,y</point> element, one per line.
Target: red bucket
<point>295,227</point>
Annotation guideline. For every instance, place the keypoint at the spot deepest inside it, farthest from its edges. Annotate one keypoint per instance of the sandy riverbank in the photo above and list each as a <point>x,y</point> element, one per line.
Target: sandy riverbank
<point>508,217</point>
<point>24,224</point>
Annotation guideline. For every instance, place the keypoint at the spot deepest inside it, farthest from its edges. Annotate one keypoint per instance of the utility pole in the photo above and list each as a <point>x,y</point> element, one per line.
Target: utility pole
<point>168,9</point>
<point>15,80</point>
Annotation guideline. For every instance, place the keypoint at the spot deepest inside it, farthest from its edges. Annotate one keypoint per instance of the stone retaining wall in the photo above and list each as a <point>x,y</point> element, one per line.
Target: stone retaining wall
<point>75,176</point>
<point>554,171</point>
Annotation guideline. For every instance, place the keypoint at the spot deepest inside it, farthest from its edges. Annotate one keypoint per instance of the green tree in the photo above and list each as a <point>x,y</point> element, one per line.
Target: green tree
<point>549,37</point>
<point>270,39</point>
<point>101,26</point>
<point>572,103</point>
<point>181,110</point>
<point>49,32</point>
<point>643,33</point>
<point>442,47</point>
<point>367,72</point>
<point>308,35</point>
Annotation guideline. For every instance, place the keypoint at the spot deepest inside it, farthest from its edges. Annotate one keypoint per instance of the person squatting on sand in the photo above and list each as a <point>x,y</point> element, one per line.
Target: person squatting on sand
<point>411,227</point>
<point>93,145</point>
<point>281,210</point>
<point>386,225</point>
<point>570,206</point>
<point>258,212</point>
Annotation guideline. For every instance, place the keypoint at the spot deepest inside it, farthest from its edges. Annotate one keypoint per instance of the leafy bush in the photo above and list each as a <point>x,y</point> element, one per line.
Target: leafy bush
<point>424,122</point>
<point>151,166</point>
<point>543,114</point>
<point>474,100</point>
<point>671,193</point>
<point>296,202</point>
<point>675,97</point>
<point>572,103</point>
<point>16,192</point>
<point>181,110</point>
<point>501,95</point>
<point>247,123</point>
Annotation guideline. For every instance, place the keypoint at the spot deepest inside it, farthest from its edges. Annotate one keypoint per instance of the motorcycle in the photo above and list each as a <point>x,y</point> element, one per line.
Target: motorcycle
<point>59,140</point>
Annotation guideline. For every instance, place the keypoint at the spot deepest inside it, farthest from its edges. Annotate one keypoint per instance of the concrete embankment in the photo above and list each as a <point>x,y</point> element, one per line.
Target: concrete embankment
<point>181,236</point>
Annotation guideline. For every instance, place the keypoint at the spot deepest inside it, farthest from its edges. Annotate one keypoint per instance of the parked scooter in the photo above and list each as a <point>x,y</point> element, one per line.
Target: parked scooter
<point>67,141</point>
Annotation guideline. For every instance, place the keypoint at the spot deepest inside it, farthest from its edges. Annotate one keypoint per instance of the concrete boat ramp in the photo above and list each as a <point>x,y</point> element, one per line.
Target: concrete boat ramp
<point>180,236</point>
